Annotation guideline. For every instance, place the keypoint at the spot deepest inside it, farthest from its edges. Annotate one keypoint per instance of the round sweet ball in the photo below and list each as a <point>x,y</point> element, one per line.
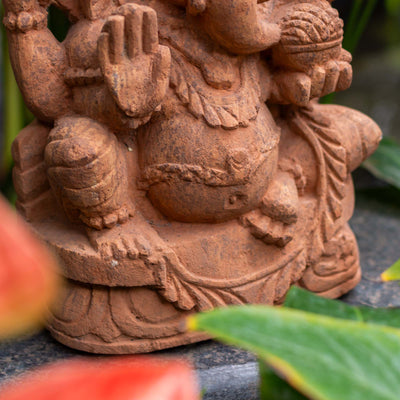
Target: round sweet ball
<point>311,35</point>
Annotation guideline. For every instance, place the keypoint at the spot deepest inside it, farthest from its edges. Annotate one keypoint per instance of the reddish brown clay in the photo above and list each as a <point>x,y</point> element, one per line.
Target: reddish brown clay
<point>180,160</point>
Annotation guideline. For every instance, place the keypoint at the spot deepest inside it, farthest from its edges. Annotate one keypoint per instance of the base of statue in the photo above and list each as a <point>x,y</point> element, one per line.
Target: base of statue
<point>136,301</point>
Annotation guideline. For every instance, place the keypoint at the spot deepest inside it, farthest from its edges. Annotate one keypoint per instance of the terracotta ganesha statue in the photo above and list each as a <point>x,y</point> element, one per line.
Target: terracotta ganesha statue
<point>180,160</point>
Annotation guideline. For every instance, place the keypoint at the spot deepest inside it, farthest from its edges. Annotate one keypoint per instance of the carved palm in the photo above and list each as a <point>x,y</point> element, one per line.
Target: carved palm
<point>135,67</point>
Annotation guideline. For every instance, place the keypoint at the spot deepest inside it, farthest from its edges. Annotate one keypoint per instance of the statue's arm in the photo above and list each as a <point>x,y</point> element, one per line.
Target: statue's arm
<point>38,59</point>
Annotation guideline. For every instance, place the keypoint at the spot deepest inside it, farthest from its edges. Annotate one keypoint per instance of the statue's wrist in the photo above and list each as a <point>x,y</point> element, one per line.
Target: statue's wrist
<point>26,21</point>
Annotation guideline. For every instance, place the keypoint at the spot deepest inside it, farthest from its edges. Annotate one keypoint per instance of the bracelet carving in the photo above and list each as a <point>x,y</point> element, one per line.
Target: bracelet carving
<point>25,21</point>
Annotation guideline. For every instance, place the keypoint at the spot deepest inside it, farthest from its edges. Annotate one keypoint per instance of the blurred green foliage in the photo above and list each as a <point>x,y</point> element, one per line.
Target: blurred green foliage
<point>393,7</point>
<point>360,15</point>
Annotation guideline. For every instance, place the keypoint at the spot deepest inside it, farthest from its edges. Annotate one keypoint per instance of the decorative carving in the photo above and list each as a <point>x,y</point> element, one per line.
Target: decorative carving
<point>180,161</point>
<point>226,110</point>
<point>238,172</point>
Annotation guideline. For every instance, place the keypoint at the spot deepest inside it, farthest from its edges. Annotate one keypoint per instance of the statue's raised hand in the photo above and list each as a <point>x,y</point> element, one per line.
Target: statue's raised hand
<point>310,60</point>
<point>135,67</point>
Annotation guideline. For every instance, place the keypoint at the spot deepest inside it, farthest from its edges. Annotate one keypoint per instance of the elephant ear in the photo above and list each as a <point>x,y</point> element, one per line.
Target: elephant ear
<point>71,7</point>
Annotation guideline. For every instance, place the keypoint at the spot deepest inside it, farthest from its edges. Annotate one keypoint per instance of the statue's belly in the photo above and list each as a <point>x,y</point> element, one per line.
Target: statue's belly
<point>195,173</point>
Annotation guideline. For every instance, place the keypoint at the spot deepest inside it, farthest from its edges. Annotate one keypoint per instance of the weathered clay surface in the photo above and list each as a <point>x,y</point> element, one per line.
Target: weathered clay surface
<point>180,160</point>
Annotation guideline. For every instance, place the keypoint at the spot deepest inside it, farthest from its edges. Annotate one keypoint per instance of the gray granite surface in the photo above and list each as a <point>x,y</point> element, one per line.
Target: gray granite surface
<point>228,373</point>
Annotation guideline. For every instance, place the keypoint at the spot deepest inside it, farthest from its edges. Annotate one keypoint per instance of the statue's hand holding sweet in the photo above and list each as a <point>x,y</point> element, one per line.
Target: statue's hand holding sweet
<point>135,67</point>
<point>299,88</point>
<point>309,59</point>
<point>336,75</point>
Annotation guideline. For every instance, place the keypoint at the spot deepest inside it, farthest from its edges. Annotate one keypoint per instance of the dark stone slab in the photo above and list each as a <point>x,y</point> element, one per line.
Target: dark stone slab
<point>228,373</point>
<point>376,223</point>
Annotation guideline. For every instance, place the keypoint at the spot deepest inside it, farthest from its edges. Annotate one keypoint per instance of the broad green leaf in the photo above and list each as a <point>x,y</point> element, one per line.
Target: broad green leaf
<point>385,162</point>
<point>272,387</point>
<point>275,388</point>
<point>393,273</point>
<point>304,300</point>
<point>322,357</point>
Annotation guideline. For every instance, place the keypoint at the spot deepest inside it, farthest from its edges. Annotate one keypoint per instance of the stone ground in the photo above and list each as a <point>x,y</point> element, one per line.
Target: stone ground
<point>231,374</point>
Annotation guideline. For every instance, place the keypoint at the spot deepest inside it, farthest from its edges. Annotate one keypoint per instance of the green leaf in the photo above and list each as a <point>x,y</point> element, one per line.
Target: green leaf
<point>304,300</point>
<point>272,387</point>
<point>393,273</point>
<point>322,357</point>
<point>385,162</point>
<point>393,7</point>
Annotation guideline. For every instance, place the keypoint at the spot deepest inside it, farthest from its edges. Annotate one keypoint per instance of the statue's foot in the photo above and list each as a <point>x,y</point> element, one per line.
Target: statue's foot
<point>108,220</point>
<point>338,270</point>
<point>120,245</point>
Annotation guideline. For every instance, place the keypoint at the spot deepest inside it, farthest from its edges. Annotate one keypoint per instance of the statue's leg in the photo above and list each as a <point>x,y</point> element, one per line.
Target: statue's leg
<point>88,173</point>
